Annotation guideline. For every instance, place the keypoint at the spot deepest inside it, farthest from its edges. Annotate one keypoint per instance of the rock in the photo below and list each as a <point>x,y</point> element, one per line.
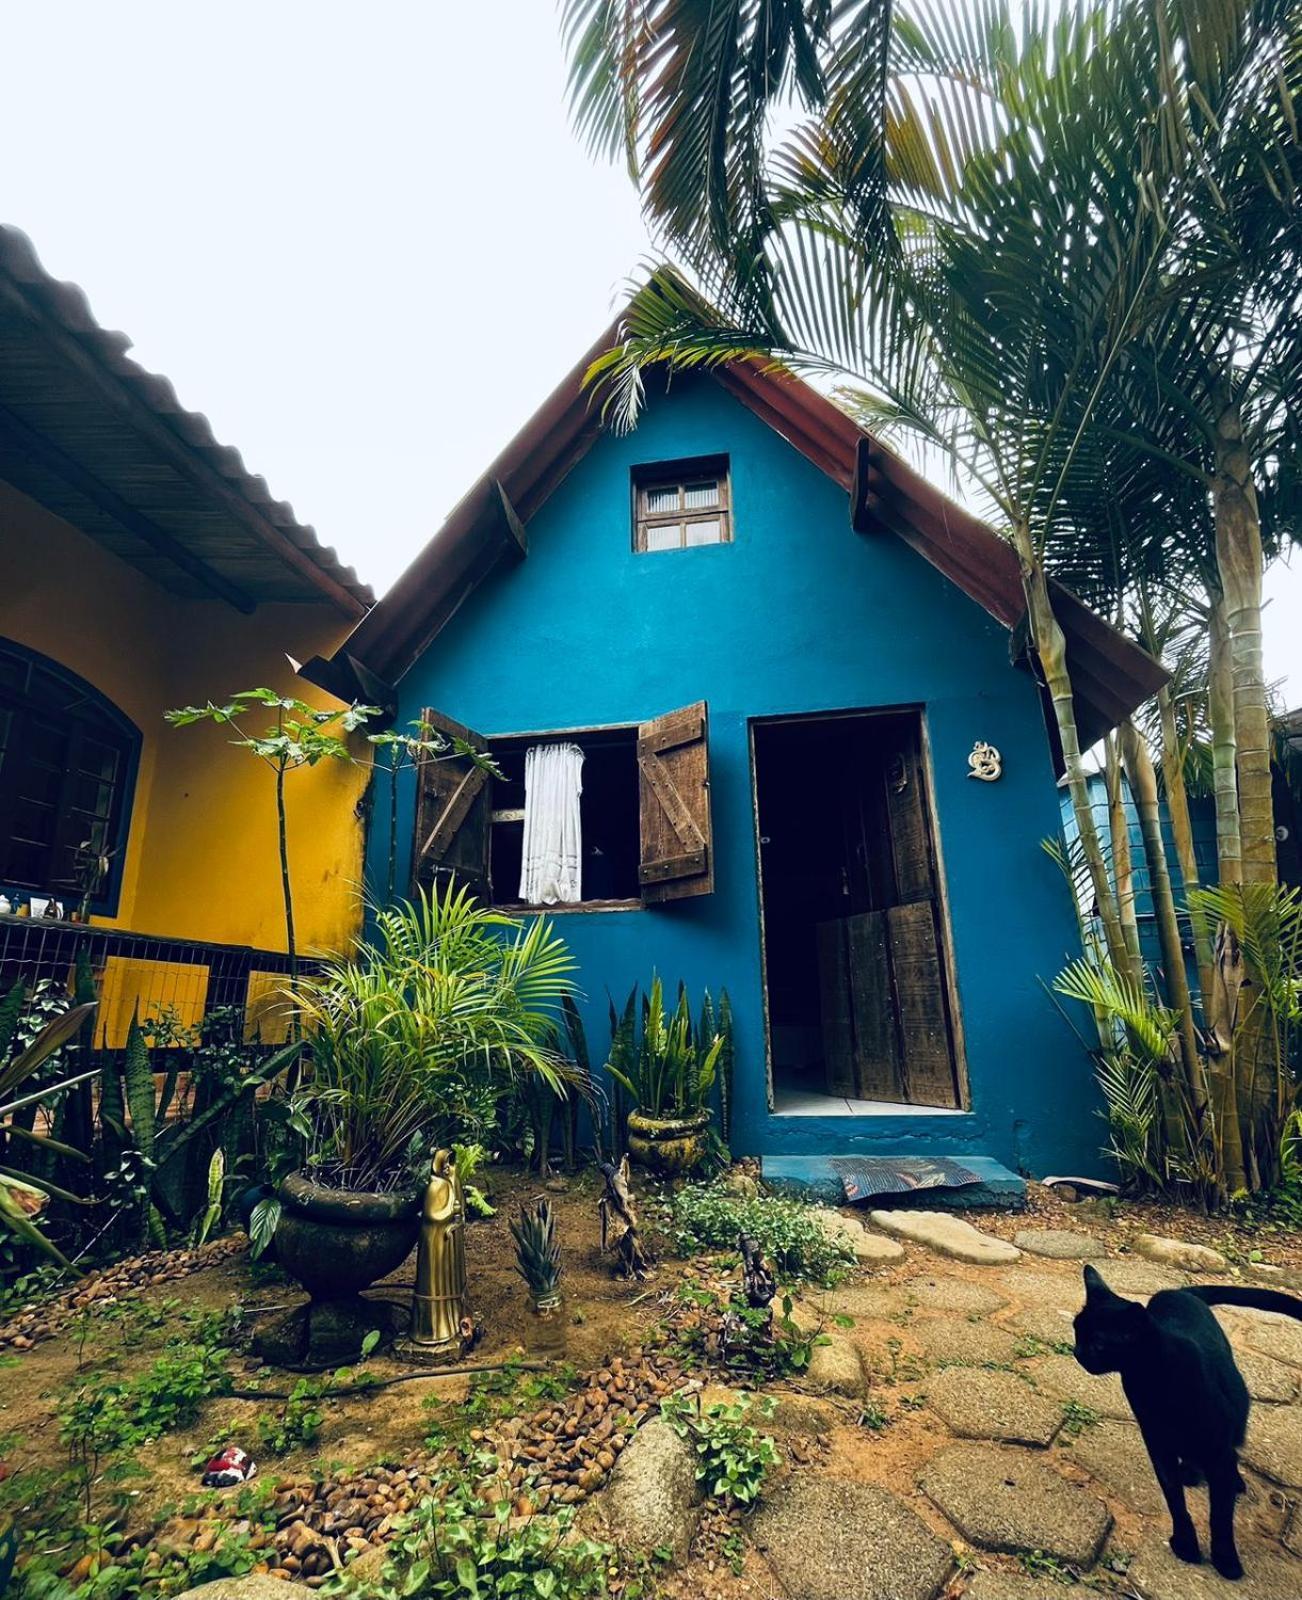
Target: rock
<point>1268,1380</point>
<point>1059,1244</point>
<point>993,1405</point>
<point>951,1294</point>
<point>952,1341</point>
<point>947,1235</point>
<point>827,1539</point>
<point>794,1413</point>
<point>256,1586</point>
<point>1064,1377</point>
<point>1272,1335</point>
<point>741,1183</point>
<point>1158,1575</point>
<point>1114,1453</point>
<point>837,1365</point>
<point>1273,1446</point>
<point>653,1498</point>
<point>1043,1290</point>
<point>1138,1279</point>
<point>873,1248</point>
<point>1049,1326</point>
<point>1179,1253</point>
<point>1011,1586</point>
<point>1009,1500</point>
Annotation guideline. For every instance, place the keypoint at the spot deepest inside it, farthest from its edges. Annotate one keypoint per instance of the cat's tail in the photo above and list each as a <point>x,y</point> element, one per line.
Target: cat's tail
<point>1215,1294</point>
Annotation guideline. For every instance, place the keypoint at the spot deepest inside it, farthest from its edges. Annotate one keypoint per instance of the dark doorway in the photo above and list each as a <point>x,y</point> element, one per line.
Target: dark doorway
<point>859,1000</point>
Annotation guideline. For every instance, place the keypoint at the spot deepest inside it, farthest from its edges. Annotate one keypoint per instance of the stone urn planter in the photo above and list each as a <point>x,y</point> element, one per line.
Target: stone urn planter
<point>670,1146</point>
<point>337,1242</point>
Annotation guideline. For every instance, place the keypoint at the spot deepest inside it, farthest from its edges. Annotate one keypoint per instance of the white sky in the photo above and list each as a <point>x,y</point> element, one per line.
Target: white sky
<point>361,238</point>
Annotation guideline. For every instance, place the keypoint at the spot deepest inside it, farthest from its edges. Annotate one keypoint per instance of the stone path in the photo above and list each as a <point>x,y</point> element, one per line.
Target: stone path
<point>1008,1500</point>
<point>946,1234</point>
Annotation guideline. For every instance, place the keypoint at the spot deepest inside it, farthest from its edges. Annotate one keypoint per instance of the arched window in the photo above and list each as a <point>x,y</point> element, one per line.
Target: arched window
<point>67,770</point>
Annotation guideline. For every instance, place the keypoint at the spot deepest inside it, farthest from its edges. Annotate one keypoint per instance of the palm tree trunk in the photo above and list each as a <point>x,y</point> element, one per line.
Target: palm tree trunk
<point>1225,783</point>
<point>1239,562</point>
<point>1051,647</point>
<point>1123,874</point>
<point>1143,786</point>
<point>1177,805</point>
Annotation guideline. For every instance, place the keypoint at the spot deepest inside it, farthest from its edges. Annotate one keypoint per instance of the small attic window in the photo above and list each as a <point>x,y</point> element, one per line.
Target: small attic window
<point>678,504</point>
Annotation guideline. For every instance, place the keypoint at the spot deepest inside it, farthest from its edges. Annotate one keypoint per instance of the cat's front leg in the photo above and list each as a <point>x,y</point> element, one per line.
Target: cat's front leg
<point>1184,1536</point>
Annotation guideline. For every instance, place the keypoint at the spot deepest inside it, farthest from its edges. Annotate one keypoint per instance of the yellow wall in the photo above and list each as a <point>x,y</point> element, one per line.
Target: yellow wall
<point>201,855</point>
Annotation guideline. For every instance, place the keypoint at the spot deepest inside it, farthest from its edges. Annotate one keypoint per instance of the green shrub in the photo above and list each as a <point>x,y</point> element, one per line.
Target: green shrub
<point>734,1458</point>
<point>707,1217</point>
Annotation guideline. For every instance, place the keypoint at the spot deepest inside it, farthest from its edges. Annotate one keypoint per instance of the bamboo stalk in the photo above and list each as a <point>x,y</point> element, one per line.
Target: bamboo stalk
<point>1123,872</point>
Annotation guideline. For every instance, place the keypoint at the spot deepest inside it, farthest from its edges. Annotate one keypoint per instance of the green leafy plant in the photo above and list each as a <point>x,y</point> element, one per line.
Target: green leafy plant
<point>417,1037</point>
<point>461,1546</point>
<point>469,1158</point>
<point>667,1070</point>
<point>301,736</point>
<point>708,1217</point>
<point>538,1253</point>
<point>734,1458</point>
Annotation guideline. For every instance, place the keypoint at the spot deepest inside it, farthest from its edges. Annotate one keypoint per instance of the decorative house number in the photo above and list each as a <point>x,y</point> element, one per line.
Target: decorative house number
<point>985,762</point>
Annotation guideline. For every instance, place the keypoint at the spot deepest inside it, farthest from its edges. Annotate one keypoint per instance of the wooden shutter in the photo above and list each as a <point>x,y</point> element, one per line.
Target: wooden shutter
<point>917,972</point>
<point>674,781</point>
<point>453,814</point>
<point>906,805</point>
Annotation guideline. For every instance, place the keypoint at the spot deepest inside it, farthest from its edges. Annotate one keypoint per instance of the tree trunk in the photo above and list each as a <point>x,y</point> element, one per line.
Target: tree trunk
<point>1225,783</point>
<point>1239,563</point>
<point>282,833</point>
<point>1143,786</point>
<point>1051,647</point>
<point>1177,805</point>
<point>1123,874</point>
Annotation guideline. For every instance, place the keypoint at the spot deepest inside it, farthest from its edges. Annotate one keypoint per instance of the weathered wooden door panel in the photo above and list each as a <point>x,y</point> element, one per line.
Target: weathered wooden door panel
<point>836,1005</point>
<point>876,1039</point>
<point>453,813</point>
<point>673,759</point>
<point>918,979</point>
<point>910,827</point>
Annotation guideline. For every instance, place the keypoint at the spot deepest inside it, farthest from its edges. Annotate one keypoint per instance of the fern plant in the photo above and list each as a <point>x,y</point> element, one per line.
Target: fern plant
<point>538,1254</point>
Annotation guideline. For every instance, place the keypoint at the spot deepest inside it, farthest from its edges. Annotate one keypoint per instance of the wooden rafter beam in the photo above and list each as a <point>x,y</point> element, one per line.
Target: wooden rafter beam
<point>185,461</point>
<point>40,449</point>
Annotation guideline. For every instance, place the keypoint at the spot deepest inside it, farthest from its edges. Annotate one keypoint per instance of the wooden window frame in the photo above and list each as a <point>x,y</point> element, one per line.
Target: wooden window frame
<point>681,475</point>
<point>96,717</point>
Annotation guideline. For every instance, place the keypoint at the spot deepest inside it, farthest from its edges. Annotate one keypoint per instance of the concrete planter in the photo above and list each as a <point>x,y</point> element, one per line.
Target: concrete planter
<point>670,1146</point>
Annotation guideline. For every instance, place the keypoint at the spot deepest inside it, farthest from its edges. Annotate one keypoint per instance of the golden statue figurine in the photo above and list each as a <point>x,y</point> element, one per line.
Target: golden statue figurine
<point>438,1304</point>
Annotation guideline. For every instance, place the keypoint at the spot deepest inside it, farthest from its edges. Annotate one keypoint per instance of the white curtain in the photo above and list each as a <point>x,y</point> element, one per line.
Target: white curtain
<point>551,872</point>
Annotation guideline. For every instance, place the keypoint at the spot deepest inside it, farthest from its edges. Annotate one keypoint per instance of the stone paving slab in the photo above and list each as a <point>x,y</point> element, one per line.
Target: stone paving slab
<point>947,1235</point>
<point>956,1341</point>
<point>1272,1335</point>
<point>1182,1254</point>
<point>653,1497</point>
<point>1056,1291</point>
<point>1273,1446</point>
<point>1267,1379</point>
<point>1139,1279</point>
<point>1158,1575</point>
<point>837,1365</point>
<point>1113,1452</point>
<point>993,1405</point>
<point>1050,1327</point>
<point>1059,1244</point>
<point>1013,1586</point>
<point>1065,1377</point>
<point>1009,1500</point>
<point>828,1539</point>
<point>951,1294</point>
<point>870,1249</point>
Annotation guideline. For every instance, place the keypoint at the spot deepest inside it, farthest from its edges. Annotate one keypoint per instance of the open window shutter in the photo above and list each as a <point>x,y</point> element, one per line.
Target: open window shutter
<point>453,814</point>
<point>674,779</point>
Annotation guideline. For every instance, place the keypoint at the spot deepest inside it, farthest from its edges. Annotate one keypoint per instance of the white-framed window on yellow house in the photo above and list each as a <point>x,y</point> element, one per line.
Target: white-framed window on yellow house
<point>681,504</point>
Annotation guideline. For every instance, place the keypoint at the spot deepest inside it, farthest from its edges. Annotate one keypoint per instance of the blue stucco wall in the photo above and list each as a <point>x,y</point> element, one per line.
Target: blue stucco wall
<point>798,614</point>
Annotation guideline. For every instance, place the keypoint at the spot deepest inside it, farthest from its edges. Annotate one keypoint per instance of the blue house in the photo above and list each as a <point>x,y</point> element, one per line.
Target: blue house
<point>773,647</point>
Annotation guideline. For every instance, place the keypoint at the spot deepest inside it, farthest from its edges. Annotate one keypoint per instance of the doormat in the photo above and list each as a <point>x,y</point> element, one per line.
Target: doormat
<point>867,1177</point>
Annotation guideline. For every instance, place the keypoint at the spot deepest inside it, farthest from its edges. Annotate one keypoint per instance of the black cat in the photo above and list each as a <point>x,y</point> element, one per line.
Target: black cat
<point>1189,1398</point>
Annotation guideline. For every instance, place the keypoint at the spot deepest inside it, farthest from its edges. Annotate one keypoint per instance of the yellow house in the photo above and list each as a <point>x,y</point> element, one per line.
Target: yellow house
<point>143,567</point>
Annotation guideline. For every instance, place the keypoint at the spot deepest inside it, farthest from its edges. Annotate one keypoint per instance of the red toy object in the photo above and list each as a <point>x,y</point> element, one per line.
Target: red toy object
<point>232,1466</point>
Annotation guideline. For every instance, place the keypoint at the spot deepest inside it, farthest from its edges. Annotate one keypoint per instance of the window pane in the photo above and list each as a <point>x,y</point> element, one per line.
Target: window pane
<point>664,536</point>
<point>36,781</point>
<point>704,532</point>
<point>701,496</point>
<point>663,497</point>
<point>99,760</point>
<point>34,824</point>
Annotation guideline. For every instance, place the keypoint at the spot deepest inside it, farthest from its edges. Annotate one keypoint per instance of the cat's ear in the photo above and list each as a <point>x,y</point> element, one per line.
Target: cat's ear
<point>1095,1287</point>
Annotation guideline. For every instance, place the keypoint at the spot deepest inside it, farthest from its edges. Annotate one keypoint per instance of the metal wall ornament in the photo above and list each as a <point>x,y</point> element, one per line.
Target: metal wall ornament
<point>985,763</point>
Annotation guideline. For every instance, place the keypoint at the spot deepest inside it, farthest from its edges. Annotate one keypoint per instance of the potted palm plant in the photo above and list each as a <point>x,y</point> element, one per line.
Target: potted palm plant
<point>669,1073</point>
<point>412,1042</point>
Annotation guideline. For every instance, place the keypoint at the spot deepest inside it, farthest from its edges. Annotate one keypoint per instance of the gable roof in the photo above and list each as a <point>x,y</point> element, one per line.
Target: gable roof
<point>1110,673</point>
<point>95,438</point>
